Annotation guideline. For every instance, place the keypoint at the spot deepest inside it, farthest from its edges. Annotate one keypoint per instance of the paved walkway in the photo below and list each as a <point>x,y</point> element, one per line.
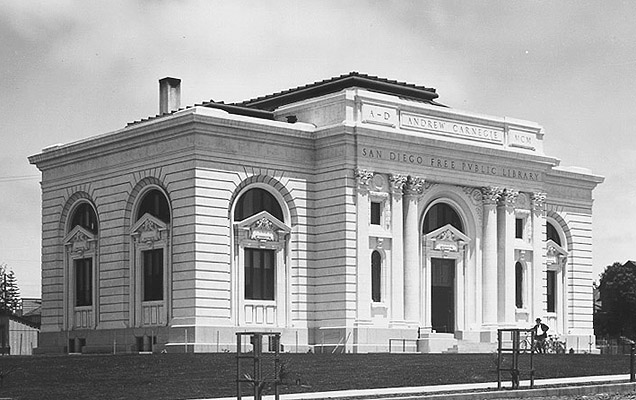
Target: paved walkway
<point>543,387</point>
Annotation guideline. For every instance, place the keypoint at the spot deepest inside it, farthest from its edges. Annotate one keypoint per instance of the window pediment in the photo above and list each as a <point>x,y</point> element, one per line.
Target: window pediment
<point>80,240</point>
<point>263,227</point>
<point>149,229</point>
<point>555,254</point>
<point>446,238</point>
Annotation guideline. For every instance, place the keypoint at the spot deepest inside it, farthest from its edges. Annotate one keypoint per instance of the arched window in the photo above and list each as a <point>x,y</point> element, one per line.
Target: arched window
<point>156,204</point>
<point>81,258</point>
<point>553,234</point>
<point>376,276</point>
<point>439,215</point>
<point>260,257</point>
<point>519,285</point>
<point>84,216</point>
<point>254,201</point>
<point>259,264</point>
<point>150,269</point>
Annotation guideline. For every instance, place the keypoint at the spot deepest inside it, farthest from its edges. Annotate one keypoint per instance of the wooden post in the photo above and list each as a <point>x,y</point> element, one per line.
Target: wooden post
<point>499,359</point>
<point>632,376</point>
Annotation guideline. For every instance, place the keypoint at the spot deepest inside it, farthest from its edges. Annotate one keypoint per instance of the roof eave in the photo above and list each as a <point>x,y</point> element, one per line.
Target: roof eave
<point>275,101</point>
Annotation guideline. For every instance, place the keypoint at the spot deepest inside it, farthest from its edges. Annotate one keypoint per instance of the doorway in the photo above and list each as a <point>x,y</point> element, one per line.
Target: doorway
<point>443,295</point>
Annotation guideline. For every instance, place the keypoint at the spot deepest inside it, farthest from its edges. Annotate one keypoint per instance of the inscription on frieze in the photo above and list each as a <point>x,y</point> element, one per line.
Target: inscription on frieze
<point>450,164</point>
<point>379,115</point>
<point>521,140</point>
<point>453,128</point>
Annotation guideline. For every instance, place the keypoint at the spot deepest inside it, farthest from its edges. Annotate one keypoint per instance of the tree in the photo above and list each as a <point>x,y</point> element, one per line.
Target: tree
<point>617,292</point>
<point>9,291</point>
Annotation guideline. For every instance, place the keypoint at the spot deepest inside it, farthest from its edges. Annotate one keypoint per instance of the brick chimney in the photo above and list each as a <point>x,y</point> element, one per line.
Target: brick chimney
<point>169,95</point>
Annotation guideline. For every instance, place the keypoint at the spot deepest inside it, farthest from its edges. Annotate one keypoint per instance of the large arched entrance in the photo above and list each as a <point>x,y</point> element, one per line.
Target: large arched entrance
<point>443,241</point>
<point>556,265</point>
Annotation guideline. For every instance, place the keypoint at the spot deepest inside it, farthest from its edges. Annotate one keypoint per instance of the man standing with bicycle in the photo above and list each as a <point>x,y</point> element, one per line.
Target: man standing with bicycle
<point>540,331</point>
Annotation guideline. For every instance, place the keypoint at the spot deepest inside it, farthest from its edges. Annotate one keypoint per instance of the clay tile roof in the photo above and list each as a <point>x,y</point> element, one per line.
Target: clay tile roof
<point>263,107</point>
<point>319,88</point>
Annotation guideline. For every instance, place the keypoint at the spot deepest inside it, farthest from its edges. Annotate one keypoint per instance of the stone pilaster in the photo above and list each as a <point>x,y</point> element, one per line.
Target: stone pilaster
<point>397,183</point>
<point>506,256</point>
<point>413,188</point>
<point>489,255</point>
<point>538,254</point>
<point>363,292</point>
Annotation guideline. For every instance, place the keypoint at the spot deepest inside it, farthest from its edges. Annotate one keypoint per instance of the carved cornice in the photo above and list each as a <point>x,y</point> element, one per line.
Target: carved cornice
<point>80,241</point>
<point>447,236</point>
<point>148,230</point>
<point>508,198</point>
<point>556,256</point>
<point>363,177</point>
<point>264,223</point>
<point>476,199</point>
<point>79,244</point>
<point>148,226</point>
<point>446,239</point>
<point>429,184</point>
<point>414,186</point>
<point>79,236</point>
<point>264,230</point>
<point>538,202</point>
<point>397,183</point>
<point>523,202</point>
<point>491,194</point>
<point>474,194</point>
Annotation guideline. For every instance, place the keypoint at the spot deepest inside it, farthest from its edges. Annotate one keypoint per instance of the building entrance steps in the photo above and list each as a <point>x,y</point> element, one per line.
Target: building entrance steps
<point>432,342</point>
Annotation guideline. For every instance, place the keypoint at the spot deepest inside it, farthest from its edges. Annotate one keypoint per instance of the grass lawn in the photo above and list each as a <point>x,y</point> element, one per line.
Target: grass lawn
<point>192,376</point>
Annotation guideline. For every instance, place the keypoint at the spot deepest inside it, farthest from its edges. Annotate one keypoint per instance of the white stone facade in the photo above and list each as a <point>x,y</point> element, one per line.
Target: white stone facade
<point>355,178</point>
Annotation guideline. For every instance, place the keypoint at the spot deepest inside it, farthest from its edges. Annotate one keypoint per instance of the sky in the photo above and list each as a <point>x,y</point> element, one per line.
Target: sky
<point>74,69</point>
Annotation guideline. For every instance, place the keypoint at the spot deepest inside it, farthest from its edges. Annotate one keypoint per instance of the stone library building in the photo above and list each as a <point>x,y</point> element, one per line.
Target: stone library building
<point>343,214</point>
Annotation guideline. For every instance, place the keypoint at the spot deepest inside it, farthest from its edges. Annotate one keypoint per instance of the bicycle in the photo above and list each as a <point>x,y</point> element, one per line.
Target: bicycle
<point>554,346</point>
<point>525,344</point>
